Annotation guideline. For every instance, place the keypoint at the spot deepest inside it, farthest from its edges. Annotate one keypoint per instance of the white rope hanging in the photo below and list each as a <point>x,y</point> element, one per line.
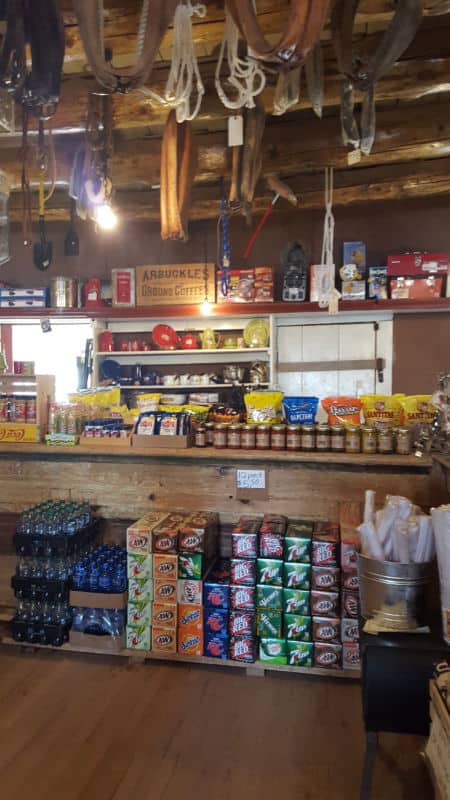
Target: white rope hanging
<point>244,74</point>
<point>328,294</point>
<point>184,68</point>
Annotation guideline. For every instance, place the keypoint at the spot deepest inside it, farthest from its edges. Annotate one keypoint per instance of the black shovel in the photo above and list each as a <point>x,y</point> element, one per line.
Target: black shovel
<point>71,241</point>
<point>43,250</point>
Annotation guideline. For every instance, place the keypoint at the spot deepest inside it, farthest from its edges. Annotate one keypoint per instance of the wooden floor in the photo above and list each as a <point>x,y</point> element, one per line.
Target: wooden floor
<point>87,728</point>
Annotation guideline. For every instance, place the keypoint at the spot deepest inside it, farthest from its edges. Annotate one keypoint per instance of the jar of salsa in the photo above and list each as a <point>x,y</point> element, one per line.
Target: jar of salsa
<point>248,437</point>
<point>368,439</point>
<point>352,439</point>
<point>337,438</point>
<point>200,436</point>
<point>263,437</point>
<point>234,436</point>
<point>323,437</point>
<point>220,436</point>
<point>308,437</point>
<point>278,437</point>
<point>293,437</point>
<point>403,442</point>
<point>209,432</point>
<point>385,443</point>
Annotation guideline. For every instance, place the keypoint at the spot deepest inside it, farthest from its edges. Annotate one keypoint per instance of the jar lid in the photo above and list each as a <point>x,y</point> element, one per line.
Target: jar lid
<point>368,429</point>
<point>278,428</point>
<point>352,428</point>
<point>235,426</point>
<point>308,427</point>
<point>323,427</point>
<point>294,427</point>
<point>264,427</point>
<point>247,427</point>
<point>404,430</point>
<point>337,428</point>
<point>219,426</point>
<point>386,429</point>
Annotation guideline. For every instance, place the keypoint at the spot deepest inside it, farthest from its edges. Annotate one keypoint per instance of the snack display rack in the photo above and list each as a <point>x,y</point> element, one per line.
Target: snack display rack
<point>40,388</point>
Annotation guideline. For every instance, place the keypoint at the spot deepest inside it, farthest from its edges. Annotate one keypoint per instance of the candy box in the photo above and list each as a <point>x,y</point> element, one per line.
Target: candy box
<point>164,640</point>
<point>300,527</point>
<point>297,549</point>
<point>216,622</point>
<point>324,604</point>
<point>190,617</point>
<point>244,545</point>
<point>164,615</point>
<point>269,597</point>
<point>243,571</point>
<point>138,637</point>
<point>349,630</point>
<point>351,655</point>
<point>325,579</point>
<point>273,651</point>
<point>326,629</point>
<point>350,580</point>
<point>140,589</point>
<point>271,545</point>
<point>139,566</point>
<point>296,601</point>
<point>242,597</point>
<point>216,595</point>
<point>165,566</point>
<point>190,643</point>
<point>300,654</point>
<point>269,572</point>
<point>164,591</point>
<point>241,623</point>
<point>215,646</point>
<point>327,655</point>
<point>190,565</point>
<point>243,648</point>
<point>139,614</point>
<point>324,553</point>
<point>297,627</point>
<point>350,604</point>
<point>296,576</point>
<point>165,541</point>
<point>247,525</point>
<point>269,623</point>
<point>190,592</point>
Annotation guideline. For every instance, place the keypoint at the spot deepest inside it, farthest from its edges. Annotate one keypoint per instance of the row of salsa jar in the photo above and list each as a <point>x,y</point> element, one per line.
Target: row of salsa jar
<point>307,438</point>
<point>14,408</point>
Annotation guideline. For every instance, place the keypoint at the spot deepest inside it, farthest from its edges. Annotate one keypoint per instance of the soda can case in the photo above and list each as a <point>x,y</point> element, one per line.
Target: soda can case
<point>297,549</point>
<point>190,642</point>
<point>241,623</point>
<point>269,597</point>
<point>139,566</point>
<point>139,613</point>
<point>297,627</point>
<point>269,623</point>
<point>190,592</point>
<point>216,622</point>
<point>324,604</point>
<point>190,542</point>
<point>297,576</point>
<point>271,545</point>
<point>216,595</point>
<point>165,567</point>
<point>164,591</point>
<point>300,527</point>
<point>274,523</point>
<point>349,630</point>
<point>243,648</point>
<point>247,525</point>
<point>140,589</point>
<point>327,656</point>
<point>269,572</point>
<point>325,554</point>
<point>300,654</point>
<point>139,534</point>
<point>244,545</point>
<point>326,531</point>
<point>350,580</point>
<point>243,572</point>
<point>273,651</point>
<point>36,633</point>
<point>164,640</point>
<point>190,617</point>
<point>326,629</point>
<point>165,541</point>
<point>138,637</point>
<point>165,615</point>
<point>351,656</point>
<point>297,601</point>
<point>216,646</point>
<point>325,579</point>
<point>190,566</point>
<point>242,597</point>
<point>350,604</point>
<point>349,550</point>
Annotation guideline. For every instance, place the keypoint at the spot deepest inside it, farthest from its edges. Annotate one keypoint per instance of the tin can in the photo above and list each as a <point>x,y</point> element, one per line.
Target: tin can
<point>31,411</point>
<point>278,437</point>
<point>368,439</point>
<point>209,428</point>
<point>352,439</point>
<point>234,436</point>
<point>323,438</point>
<point>385,442</point>
<point>248,437</point>
<point>403,442</point>
<point>308,437</point>
<point>337,439</point>
<point>293,437</point>
<point>263,437</point>
<point>200,436</point>
<point>220,436</point>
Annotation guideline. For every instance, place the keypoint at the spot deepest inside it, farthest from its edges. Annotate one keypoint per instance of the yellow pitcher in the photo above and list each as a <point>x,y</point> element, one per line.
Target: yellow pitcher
<point>209,339</point>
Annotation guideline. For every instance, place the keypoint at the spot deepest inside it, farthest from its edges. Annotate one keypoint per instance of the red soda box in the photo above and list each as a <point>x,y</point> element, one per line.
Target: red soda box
<point>349,630</point>
<point>326,629</point>
<point>271,545</point>
<point>327,655</point>
<point>351,655</point>
<point>324,604</point>
<point>242,598</point>
<point>350,604</point>
<point>274,523</point>
<point>243,648</point>
<point>243,571</point>
<point>325,553</point>
<point>247,525</point>
<point>325,579</point>
<point>350,580</point>
<point>241,623</point>
<point>244,545</point>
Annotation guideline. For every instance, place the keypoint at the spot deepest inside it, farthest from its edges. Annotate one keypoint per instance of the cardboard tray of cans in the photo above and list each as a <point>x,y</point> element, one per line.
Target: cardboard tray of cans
<point>163,442</point>
<point>122,442</point>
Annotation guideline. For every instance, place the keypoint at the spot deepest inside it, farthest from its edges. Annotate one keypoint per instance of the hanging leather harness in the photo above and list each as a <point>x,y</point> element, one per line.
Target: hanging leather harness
<point>178,165</point>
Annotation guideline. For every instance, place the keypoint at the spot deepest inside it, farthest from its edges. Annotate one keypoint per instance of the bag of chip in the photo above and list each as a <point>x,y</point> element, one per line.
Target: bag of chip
<point>346,410</point>
<point>300,410</point>
<point>263,407</point>
<point>382,410</point>
<point>417,408</point>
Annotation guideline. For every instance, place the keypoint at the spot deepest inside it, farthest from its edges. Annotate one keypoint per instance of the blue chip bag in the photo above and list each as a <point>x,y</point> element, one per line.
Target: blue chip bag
<point>300,410</point>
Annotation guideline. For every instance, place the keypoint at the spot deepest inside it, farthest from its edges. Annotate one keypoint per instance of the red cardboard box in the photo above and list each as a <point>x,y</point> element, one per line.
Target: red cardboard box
<point>418,264</point>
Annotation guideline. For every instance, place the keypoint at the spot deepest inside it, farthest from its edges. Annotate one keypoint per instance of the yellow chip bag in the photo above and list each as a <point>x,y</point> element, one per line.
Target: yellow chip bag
<point>382,410</point>
<point>417,408</point>
<point>263,407</point>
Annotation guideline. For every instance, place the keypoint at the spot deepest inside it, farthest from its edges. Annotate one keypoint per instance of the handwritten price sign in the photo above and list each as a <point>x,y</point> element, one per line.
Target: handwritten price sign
<point>250,479</point>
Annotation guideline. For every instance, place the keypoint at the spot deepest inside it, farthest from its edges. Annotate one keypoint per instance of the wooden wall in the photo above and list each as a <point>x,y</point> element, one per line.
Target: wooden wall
<point>421,351</point>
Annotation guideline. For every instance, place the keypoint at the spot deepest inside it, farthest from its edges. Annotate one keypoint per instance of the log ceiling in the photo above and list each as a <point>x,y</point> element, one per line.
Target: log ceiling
<point>410,158</point>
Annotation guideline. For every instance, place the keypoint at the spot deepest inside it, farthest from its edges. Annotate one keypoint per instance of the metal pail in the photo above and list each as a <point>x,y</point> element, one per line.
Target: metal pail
<point>393,593</point>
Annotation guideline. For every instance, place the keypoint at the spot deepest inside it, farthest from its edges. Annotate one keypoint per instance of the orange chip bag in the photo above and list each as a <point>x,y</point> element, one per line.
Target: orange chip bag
<point>345,410</point>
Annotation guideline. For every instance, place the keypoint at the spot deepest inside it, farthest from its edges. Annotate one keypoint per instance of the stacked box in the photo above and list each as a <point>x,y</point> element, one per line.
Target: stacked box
<point>140,580</point>
<point>350,601</point>
<point>325,596</point>
<point>242,618</point>
<point>269,590</point>
<point>216,610</point>
<point>165,610</point>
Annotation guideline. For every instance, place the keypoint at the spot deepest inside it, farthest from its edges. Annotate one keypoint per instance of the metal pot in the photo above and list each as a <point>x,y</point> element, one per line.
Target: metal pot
<point>64,292</point>
<point>233,374</point>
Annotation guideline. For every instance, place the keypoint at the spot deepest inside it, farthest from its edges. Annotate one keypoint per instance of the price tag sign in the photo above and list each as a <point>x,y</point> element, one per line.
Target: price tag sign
<point>251,483</point>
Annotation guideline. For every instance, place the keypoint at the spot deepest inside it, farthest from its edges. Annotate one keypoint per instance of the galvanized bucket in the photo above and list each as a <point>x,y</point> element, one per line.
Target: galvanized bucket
<point>394,594</point>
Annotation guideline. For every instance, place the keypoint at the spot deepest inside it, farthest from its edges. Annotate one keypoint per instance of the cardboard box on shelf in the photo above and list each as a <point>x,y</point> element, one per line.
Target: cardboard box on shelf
<point>190,592</point>
<point>164,640</point>
<point>98,599</point>
<point>190,617</point>
<point>138,637</point>
<point>165,590</point>
<point>139,566</point>
<point>190,642</point>
<point>140,589</point>
<point>139,614</point>
<point>273,651</point>
<point>164,615</point>
<point>165,567</point>
<point>300,654</point>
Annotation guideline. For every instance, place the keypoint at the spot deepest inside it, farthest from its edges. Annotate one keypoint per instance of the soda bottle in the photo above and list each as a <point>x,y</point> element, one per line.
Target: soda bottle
<point>119,579</point>
<point>78,618</point>
<point>105,578</point>
<point>93,577</point>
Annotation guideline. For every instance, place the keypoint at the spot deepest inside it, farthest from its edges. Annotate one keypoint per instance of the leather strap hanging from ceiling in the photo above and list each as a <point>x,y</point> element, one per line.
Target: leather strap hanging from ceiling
<point>178,165</point>
<point>155,17</point>
<point>364,73</point>
<point>303,29</point>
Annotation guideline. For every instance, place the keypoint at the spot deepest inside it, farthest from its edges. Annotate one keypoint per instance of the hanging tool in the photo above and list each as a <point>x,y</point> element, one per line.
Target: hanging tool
<point>71,241</point>
<point>43,250</point>
<point>281,190</point>
<point>224,246</point>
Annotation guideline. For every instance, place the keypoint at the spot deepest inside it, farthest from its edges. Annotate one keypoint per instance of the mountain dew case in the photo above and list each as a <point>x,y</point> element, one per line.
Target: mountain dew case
<point>296,576</point>
<point>269,572</point>
<point>269,597</point>
<point>190,566</point>
<point>273,651</point>
<point>300,654</point>
<point>297,549</point>
<point>269,623</point>
<point>297,627</point>
<point>296,601</point>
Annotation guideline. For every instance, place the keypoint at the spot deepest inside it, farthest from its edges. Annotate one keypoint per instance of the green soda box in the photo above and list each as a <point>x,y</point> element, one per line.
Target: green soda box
<point>190,566</point>
<point>139,566</point>
<point>297,627</point>
<point>296,601</point>
<point>296,576</point>
<point>269,597</point>
<point>139,613</point>
<point>300,527</point>
<point>269,623</point>
<point>273,651</point>
<point>269,572</point>
<point>300,654</point>
<point>297,549</point>
<point>139,637</point>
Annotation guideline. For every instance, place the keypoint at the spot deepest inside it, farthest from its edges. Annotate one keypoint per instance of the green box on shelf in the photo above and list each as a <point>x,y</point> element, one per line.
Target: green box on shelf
<point>297,576</point>
<point>269,623</point>
<point>190,566</point>
<point>300,654</point>
<point>273,651</point>
<point>296,601</point>
<point>269,597</point>
<point>300,527</point>
<point>297,627</point>
<point>297,549</point>
<point>269,572</point>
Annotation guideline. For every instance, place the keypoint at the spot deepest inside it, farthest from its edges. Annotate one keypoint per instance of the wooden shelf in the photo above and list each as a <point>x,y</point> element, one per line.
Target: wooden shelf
<point>161,353</point>
<point>193,387</point>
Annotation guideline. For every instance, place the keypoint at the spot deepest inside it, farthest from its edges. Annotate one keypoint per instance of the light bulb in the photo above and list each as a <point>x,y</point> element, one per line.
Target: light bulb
<point>205,307</point>
<point>105,217</point>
